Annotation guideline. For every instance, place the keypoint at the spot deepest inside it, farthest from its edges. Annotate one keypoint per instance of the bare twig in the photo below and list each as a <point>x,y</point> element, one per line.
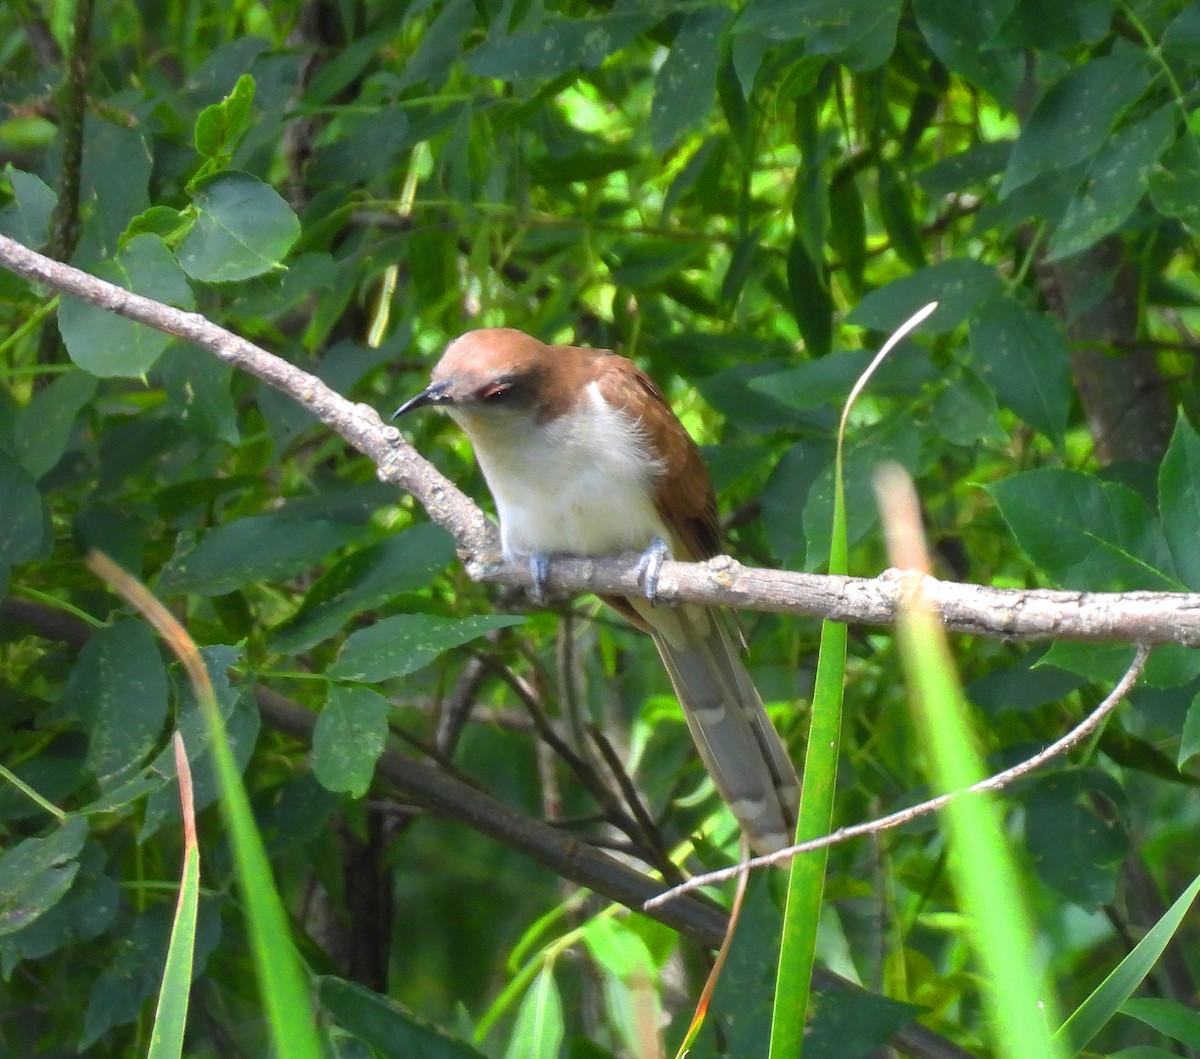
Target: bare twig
<point>591,780</point>
<point>64,224</point>
<point>993,783</point>
<point>661,859</point>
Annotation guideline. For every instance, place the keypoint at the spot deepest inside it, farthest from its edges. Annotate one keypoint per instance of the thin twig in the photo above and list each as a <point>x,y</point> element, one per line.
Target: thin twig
<point>649,829</point>
<point>592,782</point>
<point>1001,779</point>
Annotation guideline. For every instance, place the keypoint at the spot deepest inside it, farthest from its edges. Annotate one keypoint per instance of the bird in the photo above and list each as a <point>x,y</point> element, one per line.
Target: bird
<point>584,457</point>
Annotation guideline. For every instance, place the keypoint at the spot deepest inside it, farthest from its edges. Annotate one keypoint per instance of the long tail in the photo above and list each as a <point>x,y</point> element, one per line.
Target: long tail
<point>736,740</point>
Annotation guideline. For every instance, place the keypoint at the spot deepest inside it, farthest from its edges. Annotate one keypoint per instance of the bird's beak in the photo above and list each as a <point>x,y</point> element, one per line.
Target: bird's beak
<point>434,393</point>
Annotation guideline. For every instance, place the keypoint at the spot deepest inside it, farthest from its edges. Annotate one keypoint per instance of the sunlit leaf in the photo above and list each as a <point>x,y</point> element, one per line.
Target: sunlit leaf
<point>109,345</point>
<point>349,737</point>
<point>1084,532</point>
<point>1073,119</point>
<point>244,229</point>
<point>404,643</point>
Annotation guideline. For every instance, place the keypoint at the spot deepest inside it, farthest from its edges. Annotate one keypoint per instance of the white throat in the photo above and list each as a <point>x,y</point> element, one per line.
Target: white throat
<point>581,484</point>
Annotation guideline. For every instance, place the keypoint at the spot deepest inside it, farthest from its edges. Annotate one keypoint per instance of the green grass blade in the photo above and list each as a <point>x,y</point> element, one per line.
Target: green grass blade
<point>277,965</point>
<point>1094,1013</point>
<point>1018,999</point>
<point>806,876</point>
<point>170,1017</point>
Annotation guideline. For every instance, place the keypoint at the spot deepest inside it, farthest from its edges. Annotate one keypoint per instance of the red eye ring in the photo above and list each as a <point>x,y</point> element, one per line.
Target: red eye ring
<point>494,390</point>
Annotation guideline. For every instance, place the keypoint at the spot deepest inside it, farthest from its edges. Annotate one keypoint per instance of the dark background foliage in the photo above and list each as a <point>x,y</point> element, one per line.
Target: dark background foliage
<point>742,198</point>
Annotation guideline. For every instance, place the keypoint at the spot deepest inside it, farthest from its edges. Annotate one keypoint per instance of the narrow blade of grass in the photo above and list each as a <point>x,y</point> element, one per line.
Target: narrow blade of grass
<point>806,876</point>
<point>1016,995</point>
<point>277,965</point>
<point>170,1017</point>
<point>1094,1013</point>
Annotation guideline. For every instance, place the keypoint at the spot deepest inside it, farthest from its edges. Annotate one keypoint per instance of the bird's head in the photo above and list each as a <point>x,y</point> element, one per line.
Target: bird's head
<point>492,372</point>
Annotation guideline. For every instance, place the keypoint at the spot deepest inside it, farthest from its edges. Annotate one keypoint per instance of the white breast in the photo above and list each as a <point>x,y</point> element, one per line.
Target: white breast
<point>581,484</point>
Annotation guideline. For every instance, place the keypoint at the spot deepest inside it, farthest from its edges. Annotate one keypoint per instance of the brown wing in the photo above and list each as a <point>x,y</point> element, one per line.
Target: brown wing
<point>684,496</point>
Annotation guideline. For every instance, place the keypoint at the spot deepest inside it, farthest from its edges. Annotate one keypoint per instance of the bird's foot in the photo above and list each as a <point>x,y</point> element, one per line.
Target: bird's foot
<point>650,565</point>
<point>539,572</point>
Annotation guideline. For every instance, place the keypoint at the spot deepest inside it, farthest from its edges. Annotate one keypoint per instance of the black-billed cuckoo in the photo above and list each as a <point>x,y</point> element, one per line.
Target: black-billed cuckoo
<point>584,456</point>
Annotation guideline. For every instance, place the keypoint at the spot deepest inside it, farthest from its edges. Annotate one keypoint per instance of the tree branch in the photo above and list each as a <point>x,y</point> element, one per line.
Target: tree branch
<point>1136,617</point>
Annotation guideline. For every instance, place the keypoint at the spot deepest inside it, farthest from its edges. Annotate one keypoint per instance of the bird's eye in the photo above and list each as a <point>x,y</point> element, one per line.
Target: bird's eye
<point>495,391</point>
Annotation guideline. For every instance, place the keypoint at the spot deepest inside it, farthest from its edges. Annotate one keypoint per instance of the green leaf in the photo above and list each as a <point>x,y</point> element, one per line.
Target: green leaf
<point>283,983</point>
<point>1182,36</point>
<point>1077,846</point>
<point>365,579</point>
<point>1023,356</point>
<point>785,494</point>
<point>627,965</point>
<point>852,1022</point>
<point>587,163</point>
<point>118,688</point>
<point>848,226</point>
<point>107,344</point>
<point>221,126</point>
<point>244,229</point>
<point>811,301</point>
<point>559,46</point>
<point>388,1027</point>
<point>858,33</point>
<point>24,524</point>
<point>741,1002</point>
<point>959,286</point>
<point>685,86</point>
<point>1116,182</point>
<point>1170,665</point>
<point>824,381</point>
<point>114,183</point>
<point>1023,687</point>
<point>368,144</point>
<point>257,548</point>
<point>27,219</point>
<point>441,45</point>
<point>1072,120</point>
<point>1143,1051</point>
<point>1189,740</point>
<point>1175,181</point>
<point>43,426</point>
<point>966,412</point>
<point>349,737</point>
<point>649,263</point>
<point>963,37</point>
<point>404,643</point>
<point>896,212</point>
<point>1179,501</point>
<point>538,1032</point>
<point>1062,25</point>
<point>1169,1017</point>
<point>1084,532</point>
<point>198,385</point>
<point>36,873</point>
<point>958,172</point>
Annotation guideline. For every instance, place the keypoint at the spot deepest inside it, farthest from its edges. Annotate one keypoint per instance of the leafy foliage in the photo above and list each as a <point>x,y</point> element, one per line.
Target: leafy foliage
<point>742,197</point>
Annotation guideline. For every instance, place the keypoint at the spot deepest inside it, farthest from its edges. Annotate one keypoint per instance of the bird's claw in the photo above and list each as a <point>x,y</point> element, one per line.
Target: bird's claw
<point>650,565</point>
<point>539,572</point>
